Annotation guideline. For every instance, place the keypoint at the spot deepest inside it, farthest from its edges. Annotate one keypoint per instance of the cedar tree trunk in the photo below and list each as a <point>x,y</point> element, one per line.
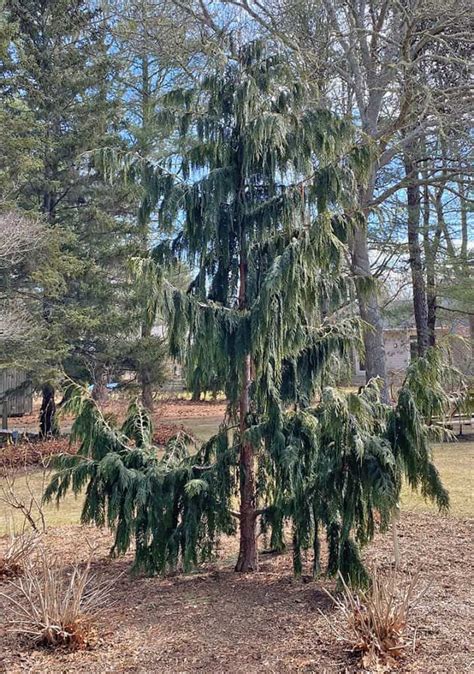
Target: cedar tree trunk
<point>248,559</point>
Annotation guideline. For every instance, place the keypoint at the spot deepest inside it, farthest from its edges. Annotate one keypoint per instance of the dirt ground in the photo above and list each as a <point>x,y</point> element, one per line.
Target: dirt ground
<point>215,621</point>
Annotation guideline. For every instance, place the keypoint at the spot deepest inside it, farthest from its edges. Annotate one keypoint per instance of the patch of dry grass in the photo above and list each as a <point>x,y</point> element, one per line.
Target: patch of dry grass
<point>34,481</point>
<point>53,607</point>
<point>374,622</point>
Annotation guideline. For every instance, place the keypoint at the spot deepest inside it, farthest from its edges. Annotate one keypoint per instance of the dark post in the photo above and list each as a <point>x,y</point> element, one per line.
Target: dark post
<point>5,415</point>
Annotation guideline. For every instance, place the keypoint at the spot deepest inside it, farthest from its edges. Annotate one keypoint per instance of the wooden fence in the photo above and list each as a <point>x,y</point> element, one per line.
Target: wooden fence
<point>16,392</point>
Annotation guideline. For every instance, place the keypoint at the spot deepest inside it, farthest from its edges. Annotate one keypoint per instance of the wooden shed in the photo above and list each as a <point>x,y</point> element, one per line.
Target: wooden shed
<point>17,390</point>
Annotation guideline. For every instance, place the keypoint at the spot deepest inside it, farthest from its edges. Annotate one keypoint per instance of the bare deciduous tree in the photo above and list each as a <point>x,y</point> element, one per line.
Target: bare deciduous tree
<point>379,62</point>
<point>19,236</point>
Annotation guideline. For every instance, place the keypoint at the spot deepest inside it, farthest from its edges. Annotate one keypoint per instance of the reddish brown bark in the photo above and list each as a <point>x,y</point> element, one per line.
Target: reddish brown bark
<point>248,558</point>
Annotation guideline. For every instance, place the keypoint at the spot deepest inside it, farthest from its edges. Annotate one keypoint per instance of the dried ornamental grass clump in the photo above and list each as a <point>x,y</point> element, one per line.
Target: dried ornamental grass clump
<point>374,622</point>
<point>17,555</point>
<point>54,608</point>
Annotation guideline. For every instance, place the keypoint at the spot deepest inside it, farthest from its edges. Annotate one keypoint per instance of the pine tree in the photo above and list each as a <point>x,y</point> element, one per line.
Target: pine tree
<point>19,144</point>
<point>60,73</point>
<point>28,251</point>
<point>144,38</point>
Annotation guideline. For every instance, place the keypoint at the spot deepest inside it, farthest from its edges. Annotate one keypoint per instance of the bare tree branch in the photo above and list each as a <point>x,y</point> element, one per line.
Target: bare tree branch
<point>18,237</point>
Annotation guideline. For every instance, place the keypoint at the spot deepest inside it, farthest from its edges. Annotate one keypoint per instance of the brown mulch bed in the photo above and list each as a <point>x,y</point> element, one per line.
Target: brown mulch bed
<point>217,621</point>
<point>184,409</point>
<point>163,432</point>
<point>37,453</point>
<point>171,408</point>
<point>33,453</point>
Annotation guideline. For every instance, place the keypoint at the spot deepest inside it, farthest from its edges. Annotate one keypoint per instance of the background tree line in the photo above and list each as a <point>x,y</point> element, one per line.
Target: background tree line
<point>83,127</point>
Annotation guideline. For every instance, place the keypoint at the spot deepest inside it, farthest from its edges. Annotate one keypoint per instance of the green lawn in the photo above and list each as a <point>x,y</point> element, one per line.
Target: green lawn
<point>454,461</point>
<point>33,482</point>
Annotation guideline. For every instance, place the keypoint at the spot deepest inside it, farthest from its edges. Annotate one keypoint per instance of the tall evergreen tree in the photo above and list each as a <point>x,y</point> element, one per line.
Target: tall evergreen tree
<point>29,255</point>
<point>144,36</point>
<point>61,71</point>
<point>266,248</point>
<point>260,197</point>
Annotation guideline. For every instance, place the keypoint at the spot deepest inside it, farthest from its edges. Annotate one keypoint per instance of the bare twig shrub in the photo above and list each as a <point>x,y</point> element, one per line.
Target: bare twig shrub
<point>18,554</point>
<point>373,622</point>
<point>25,501</point>
<point>55,608</point>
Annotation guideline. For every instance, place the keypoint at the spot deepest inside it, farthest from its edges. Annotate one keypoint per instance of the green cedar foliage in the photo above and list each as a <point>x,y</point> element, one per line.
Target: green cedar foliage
<point>261,173</point>
<point>339,468</point>
<point>170,503</point>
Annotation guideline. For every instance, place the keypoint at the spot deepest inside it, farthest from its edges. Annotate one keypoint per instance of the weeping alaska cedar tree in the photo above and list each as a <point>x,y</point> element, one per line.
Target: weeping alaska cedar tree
<point>266,182</point>
<point>259,180</point>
